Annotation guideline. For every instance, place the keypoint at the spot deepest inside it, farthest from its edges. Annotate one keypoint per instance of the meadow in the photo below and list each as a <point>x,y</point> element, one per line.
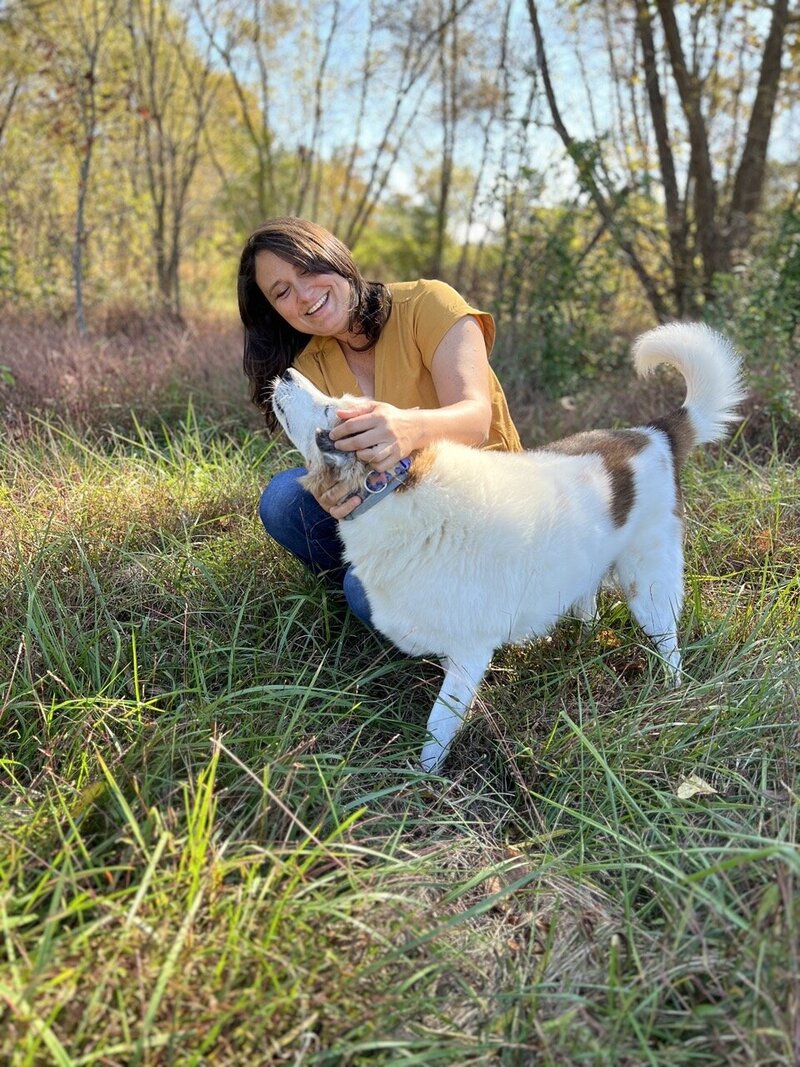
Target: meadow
<point>217,847</point>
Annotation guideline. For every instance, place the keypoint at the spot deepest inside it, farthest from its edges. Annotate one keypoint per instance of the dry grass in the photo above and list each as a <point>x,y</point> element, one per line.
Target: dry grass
<point>151,366</point>
<point>128,362</point>
<point>619,398</point>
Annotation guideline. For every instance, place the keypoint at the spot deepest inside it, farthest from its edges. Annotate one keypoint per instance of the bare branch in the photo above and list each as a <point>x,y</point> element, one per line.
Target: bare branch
<point>8,108</point>
<point>312,161</point>
<point>586,173</point>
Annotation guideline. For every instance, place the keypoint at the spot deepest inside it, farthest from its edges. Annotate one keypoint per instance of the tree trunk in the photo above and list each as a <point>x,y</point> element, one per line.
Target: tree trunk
<point>749,182</point>
<point>674,207</point>
<point>705,190</point>
<point>80,238</point>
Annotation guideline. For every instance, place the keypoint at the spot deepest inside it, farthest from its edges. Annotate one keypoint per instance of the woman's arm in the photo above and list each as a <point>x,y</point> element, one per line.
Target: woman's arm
<point>382,434</point>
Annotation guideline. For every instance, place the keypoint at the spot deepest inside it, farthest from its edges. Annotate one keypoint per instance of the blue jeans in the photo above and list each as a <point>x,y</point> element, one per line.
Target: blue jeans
<point>294,519</point>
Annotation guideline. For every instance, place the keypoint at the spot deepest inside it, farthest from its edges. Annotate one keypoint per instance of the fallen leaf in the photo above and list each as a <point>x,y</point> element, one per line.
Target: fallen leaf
<point>694,786</point>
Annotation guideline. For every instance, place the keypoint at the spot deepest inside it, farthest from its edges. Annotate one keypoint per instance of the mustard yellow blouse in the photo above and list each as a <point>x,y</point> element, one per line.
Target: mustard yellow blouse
<point>422,313</point>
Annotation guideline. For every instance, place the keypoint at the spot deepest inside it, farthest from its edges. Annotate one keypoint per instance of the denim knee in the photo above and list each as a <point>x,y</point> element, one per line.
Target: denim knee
<point>356,597</point>
<point>279,502</point>
<point>293,518</point>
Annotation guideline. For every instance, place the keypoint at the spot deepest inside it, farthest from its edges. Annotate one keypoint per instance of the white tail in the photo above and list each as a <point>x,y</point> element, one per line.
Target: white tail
<point>710,366</point>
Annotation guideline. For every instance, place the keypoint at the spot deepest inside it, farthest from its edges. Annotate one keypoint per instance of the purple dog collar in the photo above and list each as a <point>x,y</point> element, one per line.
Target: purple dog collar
<point>378,485</point>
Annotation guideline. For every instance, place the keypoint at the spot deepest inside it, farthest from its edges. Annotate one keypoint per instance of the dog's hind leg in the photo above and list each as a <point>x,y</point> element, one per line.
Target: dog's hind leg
<point>652,581</point>
<point>460,684</point>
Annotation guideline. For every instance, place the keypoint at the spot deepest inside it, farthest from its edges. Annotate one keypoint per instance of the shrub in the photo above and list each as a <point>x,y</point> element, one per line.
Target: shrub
<point>556,308</point>
<point>759,307</point>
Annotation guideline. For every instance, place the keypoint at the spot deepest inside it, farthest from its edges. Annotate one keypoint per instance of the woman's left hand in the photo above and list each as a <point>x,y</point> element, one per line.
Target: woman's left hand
<point>378,433</point>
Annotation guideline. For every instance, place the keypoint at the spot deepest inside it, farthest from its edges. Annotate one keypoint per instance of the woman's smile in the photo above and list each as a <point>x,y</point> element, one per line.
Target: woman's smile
<point>323,300</point>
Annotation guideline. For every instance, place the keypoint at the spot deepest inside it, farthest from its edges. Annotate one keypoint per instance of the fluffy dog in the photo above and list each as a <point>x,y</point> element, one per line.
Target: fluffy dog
<point>477,549</point>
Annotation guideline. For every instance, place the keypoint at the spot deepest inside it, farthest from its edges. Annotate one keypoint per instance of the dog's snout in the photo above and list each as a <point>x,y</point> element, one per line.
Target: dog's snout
<point>323,439</point>
<point>287,375</point>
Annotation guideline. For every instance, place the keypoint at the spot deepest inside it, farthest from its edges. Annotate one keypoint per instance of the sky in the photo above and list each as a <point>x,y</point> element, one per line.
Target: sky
<point>582,83</point>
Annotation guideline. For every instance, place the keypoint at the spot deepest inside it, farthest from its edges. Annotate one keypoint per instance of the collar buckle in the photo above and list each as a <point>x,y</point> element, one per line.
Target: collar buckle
<point>379,484</point>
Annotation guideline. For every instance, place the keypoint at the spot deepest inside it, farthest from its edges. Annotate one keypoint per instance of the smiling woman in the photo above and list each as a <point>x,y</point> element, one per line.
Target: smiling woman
<point>288,265</point>
<point>416,353</point>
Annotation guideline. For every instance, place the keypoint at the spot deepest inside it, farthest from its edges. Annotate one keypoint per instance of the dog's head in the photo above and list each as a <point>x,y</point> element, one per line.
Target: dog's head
<point>308,416</point>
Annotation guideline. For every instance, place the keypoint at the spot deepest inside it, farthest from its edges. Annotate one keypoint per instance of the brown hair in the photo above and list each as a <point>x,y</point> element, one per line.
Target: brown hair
<point>270,343</point>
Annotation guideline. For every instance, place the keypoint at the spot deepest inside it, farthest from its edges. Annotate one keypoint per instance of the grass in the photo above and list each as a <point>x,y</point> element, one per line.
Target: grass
<point>217,847</point>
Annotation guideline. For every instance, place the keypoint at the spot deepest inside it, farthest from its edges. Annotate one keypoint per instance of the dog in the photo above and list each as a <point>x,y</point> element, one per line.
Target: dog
<point>477,549</point>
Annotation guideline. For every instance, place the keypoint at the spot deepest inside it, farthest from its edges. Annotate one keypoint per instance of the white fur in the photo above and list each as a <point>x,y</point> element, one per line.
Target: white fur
<point>709,365</point>
<point>490,547</point>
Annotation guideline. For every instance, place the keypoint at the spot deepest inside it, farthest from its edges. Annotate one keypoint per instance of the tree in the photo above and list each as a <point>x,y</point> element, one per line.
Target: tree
<point>69,44</point>
<point>244,34</point>
<point>172,90</point>
<point>707,224</point>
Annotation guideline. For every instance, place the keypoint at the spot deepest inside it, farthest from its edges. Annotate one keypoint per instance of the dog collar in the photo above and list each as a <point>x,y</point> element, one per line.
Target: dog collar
<point>378,485</point>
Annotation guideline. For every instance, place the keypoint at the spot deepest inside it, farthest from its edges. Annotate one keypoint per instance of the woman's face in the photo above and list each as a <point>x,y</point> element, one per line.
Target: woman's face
<point>312,303</point>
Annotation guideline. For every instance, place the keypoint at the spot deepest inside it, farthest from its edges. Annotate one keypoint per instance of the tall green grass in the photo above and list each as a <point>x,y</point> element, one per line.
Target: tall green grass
<point>217,847</point>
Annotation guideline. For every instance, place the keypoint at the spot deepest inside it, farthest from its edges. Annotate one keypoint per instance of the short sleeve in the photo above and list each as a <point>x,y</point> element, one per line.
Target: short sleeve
<point>438,307</point>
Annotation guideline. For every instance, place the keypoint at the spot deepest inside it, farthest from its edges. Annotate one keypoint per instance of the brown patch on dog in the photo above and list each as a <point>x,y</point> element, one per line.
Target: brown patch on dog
<point>321,477</point>
<point>616,448</point>
<point>677,428</point>
<point>422,462</point>
<point>680,433</point>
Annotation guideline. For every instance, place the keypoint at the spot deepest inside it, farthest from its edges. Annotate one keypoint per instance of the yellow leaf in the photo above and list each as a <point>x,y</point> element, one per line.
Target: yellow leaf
<point>694,786</point>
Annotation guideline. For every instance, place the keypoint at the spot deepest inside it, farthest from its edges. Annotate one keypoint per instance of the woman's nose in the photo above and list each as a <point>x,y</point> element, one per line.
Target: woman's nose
<point>304,290</point>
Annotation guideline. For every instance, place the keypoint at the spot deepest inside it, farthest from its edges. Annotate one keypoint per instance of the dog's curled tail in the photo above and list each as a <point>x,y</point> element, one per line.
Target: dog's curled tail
<point>710,367</point>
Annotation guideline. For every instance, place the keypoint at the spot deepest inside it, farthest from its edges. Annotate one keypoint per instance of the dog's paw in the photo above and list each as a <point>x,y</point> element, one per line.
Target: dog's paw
<point>675,679</point>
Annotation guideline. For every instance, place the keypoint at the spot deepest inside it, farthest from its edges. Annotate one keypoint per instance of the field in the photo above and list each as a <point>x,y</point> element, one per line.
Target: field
<point>217,847</point>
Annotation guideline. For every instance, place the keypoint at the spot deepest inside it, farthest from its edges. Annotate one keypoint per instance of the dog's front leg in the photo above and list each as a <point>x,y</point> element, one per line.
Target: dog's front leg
<point>460,684</point>
<point>585,611</point>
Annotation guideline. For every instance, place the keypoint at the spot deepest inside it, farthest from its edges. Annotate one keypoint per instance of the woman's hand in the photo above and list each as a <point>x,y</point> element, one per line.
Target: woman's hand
<point>379,434</point>
<point>336,502</point>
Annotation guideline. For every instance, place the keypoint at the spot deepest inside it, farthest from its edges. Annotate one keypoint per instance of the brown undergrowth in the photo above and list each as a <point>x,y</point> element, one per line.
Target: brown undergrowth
<point>149,365</point>
<point>129,362</point>
<point>619,398</point>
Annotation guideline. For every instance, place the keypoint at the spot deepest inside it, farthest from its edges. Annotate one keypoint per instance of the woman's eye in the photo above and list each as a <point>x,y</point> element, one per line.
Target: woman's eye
<point>282,294</point>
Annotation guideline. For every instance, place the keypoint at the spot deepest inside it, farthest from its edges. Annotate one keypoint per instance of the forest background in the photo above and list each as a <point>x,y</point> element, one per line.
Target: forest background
<point>581,171</point>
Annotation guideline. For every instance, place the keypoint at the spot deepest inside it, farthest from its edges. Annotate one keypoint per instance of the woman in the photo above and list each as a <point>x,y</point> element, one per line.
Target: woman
<point>416,352</point>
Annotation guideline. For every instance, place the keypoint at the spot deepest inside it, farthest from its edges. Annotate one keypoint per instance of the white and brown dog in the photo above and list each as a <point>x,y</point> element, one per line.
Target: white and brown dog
<point>476,549</point>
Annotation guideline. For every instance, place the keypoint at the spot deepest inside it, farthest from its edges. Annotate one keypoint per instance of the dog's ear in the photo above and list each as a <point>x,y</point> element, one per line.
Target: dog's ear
<point>329,466</point>
<point>330,455</point>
